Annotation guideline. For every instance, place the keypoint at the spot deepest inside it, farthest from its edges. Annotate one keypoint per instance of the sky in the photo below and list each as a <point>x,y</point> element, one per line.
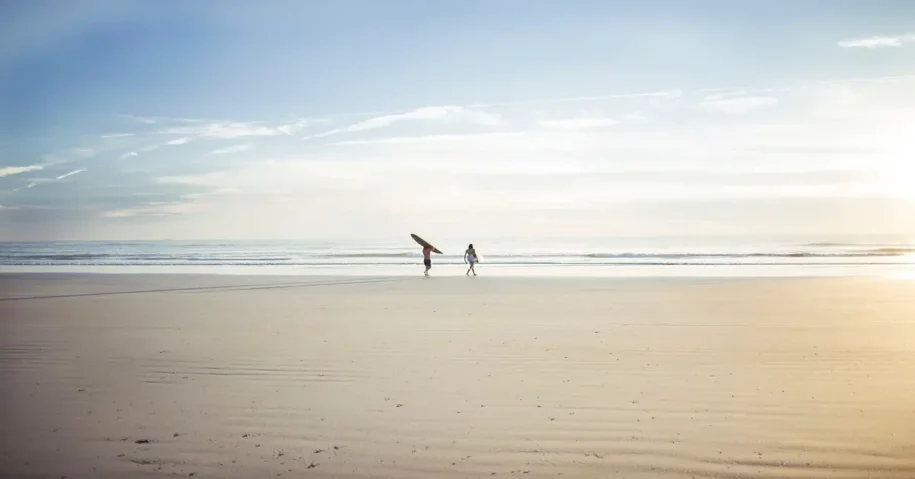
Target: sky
<point>372,118</point>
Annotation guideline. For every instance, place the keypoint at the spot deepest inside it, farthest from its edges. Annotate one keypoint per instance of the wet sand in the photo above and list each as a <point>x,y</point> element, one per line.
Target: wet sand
<point>238,377</point>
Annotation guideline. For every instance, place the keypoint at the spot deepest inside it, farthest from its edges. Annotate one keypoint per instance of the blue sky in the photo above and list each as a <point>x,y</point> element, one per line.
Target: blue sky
<point>150,120</point>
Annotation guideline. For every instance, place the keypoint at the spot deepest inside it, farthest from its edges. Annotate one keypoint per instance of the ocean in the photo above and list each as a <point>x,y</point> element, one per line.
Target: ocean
<point>692,256</point>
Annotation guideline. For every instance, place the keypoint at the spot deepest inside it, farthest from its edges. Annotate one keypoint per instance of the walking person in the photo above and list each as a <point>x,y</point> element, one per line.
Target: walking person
<point>427,258</point>
<point>470,257</point>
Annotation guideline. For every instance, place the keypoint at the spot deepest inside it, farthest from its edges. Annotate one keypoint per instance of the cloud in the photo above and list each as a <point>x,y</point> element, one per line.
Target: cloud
<point>117,214</point>
<point>737,105</point>
<point>664,94</point>
<point>189,129</point>
<point>223,130</point>
<point>74,172</point>
<point>153,120</point>
<point>51,160</point>
<point>474,114</point>
<point>117,135</point>
<point>141,119</point>
<point>583,123</point>
<point>635,117</point>
<point>152,210</point>
<point>470,115</point>
<point>231,149</point>
<point>15,170</point>
<point>70,155</point>
<point>432,139</point>
<point>83,152</point>
<point>652,95</point>
<point>807,149</point>
<point>878,41</point>
<point>290,129</point>
<point>30,185</point>
<point>139,151</point>
<point>210,193</point>
<point>157,208</point>
<point>561,160</point>
<point>41,181</point>
<point>483,118</point>
<point>329,188</point>
<point>227,131</point>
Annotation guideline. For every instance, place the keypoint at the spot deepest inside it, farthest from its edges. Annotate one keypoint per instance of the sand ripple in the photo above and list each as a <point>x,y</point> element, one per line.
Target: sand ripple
<point>555,380</point>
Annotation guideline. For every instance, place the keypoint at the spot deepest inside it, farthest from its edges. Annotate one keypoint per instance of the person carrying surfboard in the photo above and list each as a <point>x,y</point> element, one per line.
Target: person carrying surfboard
<point>427,258</point>
<point>470,257</point>
<point>428,249</point>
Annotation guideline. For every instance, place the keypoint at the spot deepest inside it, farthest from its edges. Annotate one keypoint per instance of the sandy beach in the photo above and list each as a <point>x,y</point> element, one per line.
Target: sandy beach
<point>121,376</point>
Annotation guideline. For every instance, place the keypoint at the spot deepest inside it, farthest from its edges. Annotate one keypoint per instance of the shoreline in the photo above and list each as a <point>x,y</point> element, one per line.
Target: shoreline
<point>887,270</point>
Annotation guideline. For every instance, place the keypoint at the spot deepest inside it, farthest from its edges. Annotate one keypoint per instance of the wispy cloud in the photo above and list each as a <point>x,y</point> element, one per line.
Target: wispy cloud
<point>294,127</point>
<point>635,117</point>
<point>154,208</point>
<point>69,155</point>
<point>583,123</point>
<point>51,179</point>
<point>123,213</point>
<point>621,96</point>
<point>231,149</point>
<point>227,131</point>
<point>74,172</point>
<point>471,115</point>
<point>661,94</point>
<point>83,152</point>
<point>737,105</point>
<point>141,119</point>
<point>555,157</point>
<point>223,130</point>
<point>117,135</point>
<point>51,160</point>
<point>139,151</point>
<point>15,170</point>
<point>153,120</point>
<point>433,139</point>
<point>878,41</point>
<point>474,114</point>
<point>30,185</point>
<point>179,141</point>
<point>202,128</point>
<point>484,118</point>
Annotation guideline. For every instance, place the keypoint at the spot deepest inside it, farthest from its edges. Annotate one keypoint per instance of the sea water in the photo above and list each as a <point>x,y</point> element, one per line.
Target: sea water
<point>659,256</point>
